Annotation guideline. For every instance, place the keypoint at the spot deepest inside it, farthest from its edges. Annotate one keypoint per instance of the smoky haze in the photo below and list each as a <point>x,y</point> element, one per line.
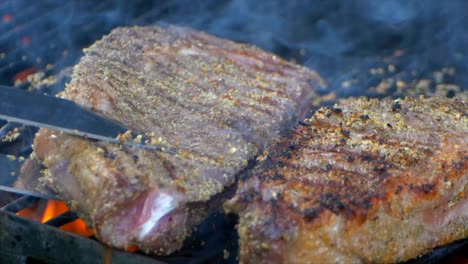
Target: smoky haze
<point>342,40</point>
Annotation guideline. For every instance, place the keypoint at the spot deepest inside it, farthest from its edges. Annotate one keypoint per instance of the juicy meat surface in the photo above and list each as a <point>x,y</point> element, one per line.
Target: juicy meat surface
<point>366,181</point>
<point>215,103</point>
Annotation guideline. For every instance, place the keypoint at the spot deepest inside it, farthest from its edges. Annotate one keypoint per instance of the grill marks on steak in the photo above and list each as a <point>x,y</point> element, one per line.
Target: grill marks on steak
<point>362,182</point>
<point>215,102</point>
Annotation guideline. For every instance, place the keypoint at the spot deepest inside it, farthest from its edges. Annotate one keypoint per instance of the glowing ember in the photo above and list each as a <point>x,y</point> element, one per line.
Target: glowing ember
<point>7,18</point>
<point>26,40</point>
<point>44,211</point>
<point>132,249</point>
<point>34,212</point>
<point>78,227</point>
<point>22,75</point>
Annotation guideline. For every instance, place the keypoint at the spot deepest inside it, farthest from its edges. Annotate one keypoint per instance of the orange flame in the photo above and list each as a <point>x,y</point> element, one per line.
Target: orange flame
<point>42,212</point>
<point>52,209</point>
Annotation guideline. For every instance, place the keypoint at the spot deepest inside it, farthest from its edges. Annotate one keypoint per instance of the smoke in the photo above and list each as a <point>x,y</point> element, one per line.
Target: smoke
<point>340,39</point>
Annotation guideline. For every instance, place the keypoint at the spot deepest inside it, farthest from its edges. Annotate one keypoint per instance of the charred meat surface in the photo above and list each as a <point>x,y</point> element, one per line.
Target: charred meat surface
<point>215,103</point>
<point>366,181</point>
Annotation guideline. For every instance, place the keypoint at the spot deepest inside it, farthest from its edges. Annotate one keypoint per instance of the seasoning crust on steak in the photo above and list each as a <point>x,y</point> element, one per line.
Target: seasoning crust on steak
<point>215,103</point>
<point>366,181</point>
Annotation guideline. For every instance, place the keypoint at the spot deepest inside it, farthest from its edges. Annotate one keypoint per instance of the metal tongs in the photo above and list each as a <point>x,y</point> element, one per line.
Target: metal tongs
<point>39,110</point>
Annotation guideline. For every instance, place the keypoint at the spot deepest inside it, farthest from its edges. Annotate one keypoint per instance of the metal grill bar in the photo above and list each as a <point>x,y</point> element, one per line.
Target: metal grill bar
<point>62,219</point>
<point>20,204</point>
<point>26,241</point>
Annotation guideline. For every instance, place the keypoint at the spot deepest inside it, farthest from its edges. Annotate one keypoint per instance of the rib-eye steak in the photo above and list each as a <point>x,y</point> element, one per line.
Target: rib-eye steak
<point>366,181</point>
<point>214,103</point>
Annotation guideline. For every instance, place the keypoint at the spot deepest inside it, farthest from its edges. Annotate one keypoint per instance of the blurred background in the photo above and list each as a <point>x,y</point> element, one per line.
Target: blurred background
<point>362,47</point>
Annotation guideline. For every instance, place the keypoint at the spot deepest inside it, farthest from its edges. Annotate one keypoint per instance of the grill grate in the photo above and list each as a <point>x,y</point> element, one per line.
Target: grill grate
<point>19,204</point>
<point>26,241</point>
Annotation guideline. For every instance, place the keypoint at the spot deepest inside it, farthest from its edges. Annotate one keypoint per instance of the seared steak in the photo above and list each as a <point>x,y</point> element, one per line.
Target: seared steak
<point>364,181</point>
<point>215,103</point>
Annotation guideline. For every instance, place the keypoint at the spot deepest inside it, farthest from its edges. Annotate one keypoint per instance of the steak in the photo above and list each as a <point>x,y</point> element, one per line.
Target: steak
<point>213,103</point>
<point>366,181</point>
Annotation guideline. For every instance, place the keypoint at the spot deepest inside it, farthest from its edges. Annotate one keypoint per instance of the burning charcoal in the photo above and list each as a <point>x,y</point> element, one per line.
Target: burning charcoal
<point>216,103</point>
<point>385,195</point>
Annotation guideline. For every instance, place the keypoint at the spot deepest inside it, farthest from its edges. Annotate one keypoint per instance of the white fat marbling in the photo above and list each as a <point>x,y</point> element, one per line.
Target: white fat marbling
<point>189,52</point>
<point>162,205</point>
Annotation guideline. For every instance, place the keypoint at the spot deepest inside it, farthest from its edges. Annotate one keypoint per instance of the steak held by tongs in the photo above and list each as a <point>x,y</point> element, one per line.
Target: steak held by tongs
<point>211,104</point>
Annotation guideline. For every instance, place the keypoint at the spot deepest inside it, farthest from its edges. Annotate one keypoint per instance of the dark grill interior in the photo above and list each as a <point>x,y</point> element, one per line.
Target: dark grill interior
<point>31,242</point>
<point>27,241</point>
<point>360,48</point>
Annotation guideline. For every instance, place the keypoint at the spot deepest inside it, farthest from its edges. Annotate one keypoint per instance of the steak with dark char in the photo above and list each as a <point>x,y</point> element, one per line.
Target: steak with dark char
<point>366,181</point>
<point>215,103</point>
